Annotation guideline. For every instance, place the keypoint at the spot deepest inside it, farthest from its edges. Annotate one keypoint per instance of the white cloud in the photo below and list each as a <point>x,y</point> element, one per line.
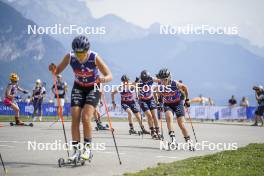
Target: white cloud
<point>248,15</point>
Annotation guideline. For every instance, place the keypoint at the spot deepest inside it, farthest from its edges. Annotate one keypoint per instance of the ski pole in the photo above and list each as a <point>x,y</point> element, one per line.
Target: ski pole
<point>141,114</point>
<point>191,124</point>
<point>111,128</point>
<point>161,126</point>
<point>3,163</point>
<point>60,110</point>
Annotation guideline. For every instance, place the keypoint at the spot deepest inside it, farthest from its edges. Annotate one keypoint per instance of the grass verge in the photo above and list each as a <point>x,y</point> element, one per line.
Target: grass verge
<point>247,160</point>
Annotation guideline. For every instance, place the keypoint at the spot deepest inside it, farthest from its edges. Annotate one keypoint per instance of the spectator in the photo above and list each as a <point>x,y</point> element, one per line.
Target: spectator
<point>28,100</point>
<point>210,101</point>
<point>244,102</point>
<point>259,93</point>
<point>202,100</point>
<point>232,102</point>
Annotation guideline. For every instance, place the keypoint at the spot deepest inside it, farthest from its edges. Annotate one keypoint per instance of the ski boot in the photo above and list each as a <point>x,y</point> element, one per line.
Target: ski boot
<point>18,121</point>
<point>74,159</point>
<point>153,134</point>
<point>190,143</point>
<point>101,127</point>
<point>172,145</point>
<point>75,155</point>
<point>87,153</point>
<point>261,122</point>
<point>160,136</point>
<point>132,131</point>
<point>144,131</point>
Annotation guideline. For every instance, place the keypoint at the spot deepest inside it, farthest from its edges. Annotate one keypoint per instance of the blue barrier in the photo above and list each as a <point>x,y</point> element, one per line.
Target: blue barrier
<point>26,109</point>
<point>198,112</point>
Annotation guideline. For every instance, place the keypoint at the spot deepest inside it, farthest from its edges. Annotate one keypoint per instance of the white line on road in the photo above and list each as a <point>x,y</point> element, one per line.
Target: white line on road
<point>109,152</point>
<point>170,157</point>
<point>21,142</point>
<point>8,146</point>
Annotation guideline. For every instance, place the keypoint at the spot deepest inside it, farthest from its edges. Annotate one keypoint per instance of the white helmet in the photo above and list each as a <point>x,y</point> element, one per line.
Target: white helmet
<point>38,82</point>
<point>260,87</point>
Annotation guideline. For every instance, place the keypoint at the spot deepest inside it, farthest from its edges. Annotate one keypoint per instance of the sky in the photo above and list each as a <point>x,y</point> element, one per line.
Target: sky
<point>247,15</point>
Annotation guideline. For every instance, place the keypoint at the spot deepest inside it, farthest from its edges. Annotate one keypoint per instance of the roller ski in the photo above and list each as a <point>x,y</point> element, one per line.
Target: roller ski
<point>77,158</point>
<point>18,122</point>
<point>173,144</point>
<point>132,131</point>
<point>101,127</point>
<point>143,131</point>
<point>190,143</point>
<point>73,160</point>
<point>159,137</point>
<point>153,134</point>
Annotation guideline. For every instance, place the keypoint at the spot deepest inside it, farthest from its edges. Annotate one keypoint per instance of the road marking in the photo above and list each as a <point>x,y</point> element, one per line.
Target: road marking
<point>8,146</point>
<point>170,157</point>
<point>109,152</point>
<point>21,142</point>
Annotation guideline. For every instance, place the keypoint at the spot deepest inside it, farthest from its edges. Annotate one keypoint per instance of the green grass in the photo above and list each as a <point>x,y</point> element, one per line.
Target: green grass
<point>246,161</point>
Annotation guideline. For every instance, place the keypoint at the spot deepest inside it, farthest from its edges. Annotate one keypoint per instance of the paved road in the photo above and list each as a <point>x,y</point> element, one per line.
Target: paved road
<point>136,153</point>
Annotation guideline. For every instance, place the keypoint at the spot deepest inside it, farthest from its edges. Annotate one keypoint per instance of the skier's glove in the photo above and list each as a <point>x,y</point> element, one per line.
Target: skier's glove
<point>187,103</point>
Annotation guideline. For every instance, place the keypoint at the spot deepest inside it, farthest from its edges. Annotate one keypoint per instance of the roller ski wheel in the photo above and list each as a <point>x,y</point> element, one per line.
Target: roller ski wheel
<point>90,159</point>
<point>191,147</point>
<point>72,161</point>
<point>145,132</point>
<point>61,162</point>
<point>140,133</point>
<point>83,162</point>
<point>161,137</point>
<point>155,137</point>
<point>172,146</point>
<point>132,131</point>
<point>75,162</point>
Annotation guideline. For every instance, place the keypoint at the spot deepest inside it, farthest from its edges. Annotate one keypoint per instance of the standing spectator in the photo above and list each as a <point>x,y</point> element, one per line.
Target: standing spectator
<point>259,91</point>
<point>202,100</point>
<point>28,101</point>
<point>244,102</point>
<point>232,102</point>
<point>210,102</point>
<point>62,90</point>
<point>39,93</point>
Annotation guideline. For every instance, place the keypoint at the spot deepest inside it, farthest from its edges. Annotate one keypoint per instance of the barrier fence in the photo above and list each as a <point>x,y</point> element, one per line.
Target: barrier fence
<point>196,112</point>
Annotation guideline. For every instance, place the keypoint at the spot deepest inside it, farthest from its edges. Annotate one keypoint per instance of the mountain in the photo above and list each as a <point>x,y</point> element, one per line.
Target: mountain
<point>28,55</point>
<point>207,67</point>
<point>68,12</point>
<point>212,65</point>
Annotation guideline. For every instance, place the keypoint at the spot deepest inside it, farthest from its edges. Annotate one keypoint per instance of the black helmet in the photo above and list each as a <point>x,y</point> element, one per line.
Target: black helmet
<point>80,43</point>
<point>124,78</point>
<point>163,74</point>
<point>144,75</point>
